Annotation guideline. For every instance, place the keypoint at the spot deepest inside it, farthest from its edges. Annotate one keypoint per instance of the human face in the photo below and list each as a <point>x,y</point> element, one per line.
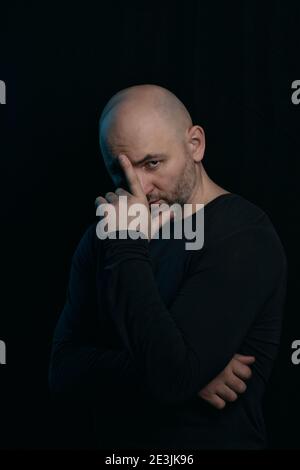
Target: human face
<point>161,158</point>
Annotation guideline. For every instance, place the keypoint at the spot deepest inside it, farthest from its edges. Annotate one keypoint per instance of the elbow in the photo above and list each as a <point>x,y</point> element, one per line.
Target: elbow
<point>58,377</point>
<point>65,376</point>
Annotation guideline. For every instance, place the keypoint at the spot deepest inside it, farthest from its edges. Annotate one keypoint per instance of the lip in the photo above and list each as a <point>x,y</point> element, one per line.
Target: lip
<point>155,202</point>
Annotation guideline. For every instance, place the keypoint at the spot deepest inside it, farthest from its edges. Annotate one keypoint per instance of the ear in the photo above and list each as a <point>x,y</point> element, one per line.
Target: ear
<point>196,142</point>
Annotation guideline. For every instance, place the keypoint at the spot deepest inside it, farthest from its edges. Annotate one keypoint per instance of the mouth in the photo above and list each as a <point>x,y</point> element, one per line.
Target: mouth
<point>159,201</point>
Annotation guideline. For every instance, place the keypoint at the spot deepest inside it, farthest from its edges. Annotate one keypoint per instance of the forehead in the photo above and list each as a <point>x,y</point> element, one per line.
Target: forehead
<point>139,134</point>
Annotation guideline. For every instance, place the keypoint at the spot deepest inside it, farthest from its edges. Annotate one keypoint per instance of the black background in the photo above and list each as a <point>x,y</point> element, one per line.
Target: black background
<point>231,63</point>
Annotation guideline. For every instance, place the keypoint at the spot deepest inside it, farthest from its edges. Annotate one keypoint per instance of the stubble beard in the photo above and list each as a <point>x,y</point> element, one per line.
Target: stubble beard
<point>184,186</point>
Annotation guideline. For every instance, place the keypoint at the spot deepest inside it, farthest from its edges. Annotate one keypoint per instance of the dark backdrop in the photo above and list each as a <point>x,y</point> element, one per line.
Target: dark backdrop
<point>231,63</point>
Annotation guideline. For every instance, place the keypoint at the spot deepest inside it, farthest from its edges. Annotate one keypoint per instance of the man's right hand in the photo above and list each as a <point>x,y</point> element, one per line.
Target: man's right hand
<point>229,383</point>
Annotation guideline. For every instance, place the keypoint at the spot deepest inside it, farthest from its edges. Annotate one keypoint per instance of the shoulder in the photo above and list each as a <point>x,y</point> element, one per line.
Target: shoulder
<point>234,215</point>
<point>228,214</point>
<point>237,231</point>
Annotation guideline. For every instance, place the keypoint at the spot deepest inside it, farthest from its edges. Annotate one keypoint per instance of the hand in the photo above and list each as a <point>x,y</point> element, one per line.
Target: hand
<point>229,383</point>
<point>148,224</point>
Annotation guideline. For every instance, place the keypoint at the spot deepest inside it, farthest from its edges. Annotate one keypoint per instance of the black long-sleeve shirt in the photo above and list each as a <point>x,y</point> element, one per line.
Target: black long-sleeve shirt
<point>146,325</point>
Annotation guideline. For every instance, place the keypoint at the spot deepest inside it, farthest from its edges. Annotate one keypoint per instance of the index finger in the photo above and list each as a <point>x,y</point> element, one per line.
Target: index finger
<point>244,359</point>
<point>131,176</point>
<point>242,371</point>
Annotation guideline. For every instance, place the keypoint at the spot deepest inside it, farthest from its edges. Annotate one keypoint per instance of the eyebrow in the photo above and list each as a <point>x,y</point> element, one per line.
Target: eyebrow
<point>150,157</point>
<point>116,168</point>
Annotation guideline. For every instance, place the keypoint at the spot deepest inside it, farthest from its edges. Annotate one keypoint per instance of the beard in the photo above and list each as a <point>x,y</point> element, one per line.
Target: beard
<point>184,186</point>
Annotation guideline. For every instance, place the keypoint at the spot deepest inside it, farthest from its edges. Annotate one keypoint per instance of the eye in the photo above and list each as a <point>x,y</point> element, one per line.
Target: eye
<point>152,164</point>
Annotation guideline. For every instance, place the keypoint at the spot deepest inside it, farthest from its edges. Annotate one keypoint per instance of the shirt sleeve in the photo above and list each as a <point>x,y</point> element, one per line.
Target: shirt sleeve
<point>181,349</point>
<point>82,361</point>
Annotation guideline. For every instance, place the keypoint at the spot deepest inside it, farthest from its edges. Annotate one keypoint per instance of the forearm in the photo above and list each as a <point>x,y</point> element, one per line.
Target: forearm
<point>182,348</point>
<point>170,368</point>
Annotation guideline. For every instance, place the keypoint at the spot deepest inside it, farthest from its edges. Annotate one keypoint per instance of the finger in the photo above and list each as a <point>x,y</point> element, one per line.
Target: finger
<point>241,370</point>
<point>122,192</point>
<point>236,384</point>
<point>100,200</point>
<point>226,393</point>
<point>131,176</point>
<point>111,197</point>
<point>245,359</point>
<point>214,400</point>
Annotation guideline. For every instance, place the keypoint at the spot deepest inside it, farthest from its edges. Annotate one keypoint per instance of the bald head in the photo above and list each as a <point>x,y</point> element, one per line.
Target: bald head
<point>152,127</point>
<point>138,108</point>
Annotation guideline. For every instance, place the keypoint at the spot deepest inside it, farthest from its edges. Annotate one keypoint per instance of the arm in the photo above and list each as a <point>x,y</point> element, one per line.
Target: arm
<point>182,349</point>
<point>79,364</point>
<point>81,360</point>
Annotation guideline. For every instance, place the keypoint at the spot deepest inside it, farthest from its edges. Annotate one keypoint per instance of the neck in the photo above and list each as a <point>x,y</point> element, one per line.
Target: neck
<point>205,189</point>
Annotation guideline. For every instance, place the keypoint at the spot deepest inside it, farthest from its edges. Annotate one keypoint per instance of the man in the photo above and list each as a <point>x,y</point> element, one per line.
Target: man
<point>157,338</point>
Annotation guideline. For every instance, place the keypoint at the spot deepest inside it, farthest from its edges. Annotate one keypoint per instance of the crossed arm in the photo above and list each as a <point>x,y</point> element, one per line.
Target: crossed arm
<point>176,360</point>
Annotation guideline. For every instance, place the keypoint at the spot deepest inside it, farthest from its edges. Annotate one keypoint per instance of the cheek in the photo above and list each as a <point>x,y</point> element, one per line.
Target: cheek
<point>169,175</point>
<point>169,180</point>
<point>175,172</point>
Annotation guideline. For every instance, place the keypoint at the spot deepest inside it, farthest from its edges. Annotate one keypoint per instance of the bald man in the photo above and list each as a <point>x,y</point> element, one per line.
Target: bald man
<point>159,339</point>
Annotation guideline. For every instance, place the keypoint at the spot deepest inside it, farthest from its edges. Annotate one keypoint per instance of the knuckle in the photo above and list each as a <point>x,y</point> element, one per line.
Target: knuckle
<point>219,390</point>
<point>230,375</point>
